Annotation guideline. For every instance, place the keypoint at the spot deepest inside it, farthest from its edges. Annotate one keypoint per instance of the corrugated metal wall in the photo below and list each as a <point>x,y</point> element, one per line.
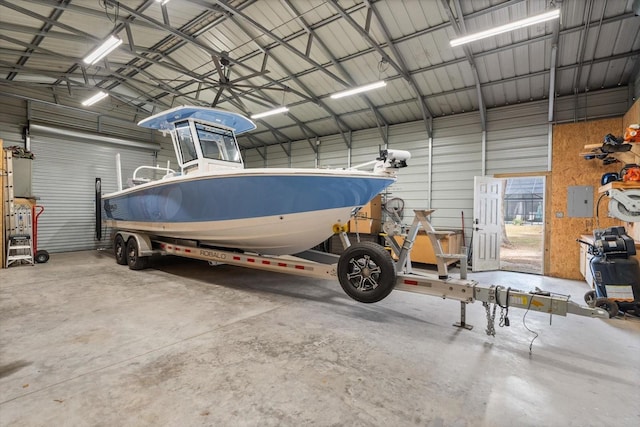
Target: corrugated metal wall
<point>457,158</point>
<point>13,118</point>
<point>302,155</point>
<point>332,152</point>
<point>592,105</point>
<point>254,158</point>
<point>277,157</point>
<point>64,173</point>
<point>518,138</point>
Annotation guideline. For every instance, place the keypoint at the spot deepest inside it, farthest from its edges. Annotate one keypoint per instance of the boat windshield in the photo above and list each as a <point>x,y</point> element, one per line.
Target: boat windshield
<point>218,144</point>
<point>187,146</point>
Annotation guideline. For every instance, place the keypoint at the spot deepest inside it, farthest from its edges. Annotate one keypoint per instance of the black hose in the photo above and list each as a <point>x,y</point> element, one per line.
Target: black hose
<point>98,209</point>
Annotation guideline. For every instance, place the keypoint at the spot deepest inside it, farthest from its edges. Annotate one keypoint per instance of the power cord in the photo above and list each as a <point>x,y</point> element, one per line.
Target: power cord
<point>524,323</point>
<point>598,210</point>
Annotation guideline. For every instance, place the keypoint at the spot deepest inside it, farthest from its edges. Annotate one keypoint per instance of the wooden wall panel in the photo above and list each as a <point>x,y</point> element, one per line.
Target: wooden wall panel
<point>569,169</point>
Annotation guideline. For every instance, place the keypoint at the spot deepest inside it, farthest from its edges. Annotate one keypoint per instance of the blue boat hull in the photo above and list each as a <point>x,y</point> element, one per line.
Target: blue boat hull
<point>266,212</point>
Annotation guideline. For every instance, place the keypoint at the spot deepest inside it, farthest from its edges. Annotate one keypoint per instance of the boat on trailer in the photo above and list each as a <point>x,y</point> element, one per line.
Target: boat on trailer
<point>215,210</point>
<point>214,200</point>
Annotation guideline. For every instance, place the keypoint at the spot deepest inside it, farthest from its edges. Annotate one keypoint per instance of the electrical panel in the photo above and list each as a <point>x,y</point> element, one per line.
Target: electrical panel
<point>580,201</point>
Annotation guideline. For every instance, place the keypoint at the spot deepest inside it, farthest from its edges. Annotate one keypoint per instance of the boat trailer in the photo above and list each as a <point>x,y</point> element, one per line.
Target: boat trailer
<point>366,271</point>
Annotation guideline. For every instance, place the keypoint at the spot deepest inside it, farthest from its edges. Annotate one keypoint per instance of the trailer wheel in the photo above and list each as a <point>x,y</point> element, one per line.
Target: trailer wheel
<point>610,306</point>
<point>590,298</point>
<point>120,250</point>
<point>135,261</point>
<point>366,272</point>
<point>42,256</point>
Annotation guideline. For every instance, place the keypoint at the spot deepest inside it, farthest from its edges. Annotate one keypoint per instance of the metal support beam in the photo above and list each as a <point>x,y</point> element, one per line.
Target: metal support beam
<point>459,28</point>
<point>426,112</point>
<point>380,120</point>
<point>55,15</point>
<point>580,58</point>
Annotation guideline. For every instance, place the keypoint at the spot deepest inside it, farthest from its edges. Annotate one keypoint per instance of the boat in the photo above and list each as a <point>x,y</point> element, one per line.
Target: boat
<point>214,200</point>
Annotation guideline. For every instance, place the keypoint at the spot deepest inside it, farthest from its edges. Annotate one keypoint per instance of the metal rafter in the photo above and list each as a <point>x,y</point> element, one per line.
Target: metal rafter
<point>40,36</point>
<point>110,88</point>
<point>65,76</point>
<point>583,46</point>
<point>339,122</point>
<point>339,67</point>
<point>555,37</point>
<point>303,127</point>
<point>380,120</point>
<point>459,29</point>
<point>360,6</point>
<point>631,54</point>
<point>238,13</point>
<point>401,69</point>
<point>193,41</point>
<point>427,116</point>
<point>595,45</point>
<point>270,102</point>
<point>160,57</point>
<point>503,48</point>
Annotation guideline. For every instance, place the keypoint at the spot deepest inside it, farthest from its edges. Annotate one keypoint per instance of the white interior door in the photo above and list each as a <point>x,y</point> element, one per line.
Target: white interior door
<point>487,211</point>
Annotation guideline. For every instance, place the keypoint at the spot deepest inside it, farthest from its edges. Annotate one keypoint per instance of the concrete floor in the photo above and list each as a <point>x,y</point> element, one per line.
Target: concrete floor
<point>84,341</point>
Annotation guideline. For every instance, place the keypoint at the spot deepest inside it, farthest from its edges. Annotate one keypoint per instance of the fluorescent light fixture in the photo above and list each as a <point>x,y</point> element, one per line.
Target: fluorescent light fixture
<point>270,113</point>
<point>103,50</point>
<point>547,16</point>
<point>95,98</point>
<point>359,89</point>
<point>162,1</point>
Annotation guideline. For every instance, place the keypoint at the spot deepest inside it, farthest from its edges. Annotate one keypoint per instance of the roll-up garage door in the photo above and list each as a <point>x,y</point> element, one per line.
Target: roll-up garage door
<point>65,167</point>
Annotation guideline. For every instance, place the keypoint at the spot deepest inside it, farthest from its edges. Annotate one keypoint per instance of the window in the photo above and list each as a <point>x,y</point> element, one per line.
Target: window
<point>218,144</point>
<point>187,147</point>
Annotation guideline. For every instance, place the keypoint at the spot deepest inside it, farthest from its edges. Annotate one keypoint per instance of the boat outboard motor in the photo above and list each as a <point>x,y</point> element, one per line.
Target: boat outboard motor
<point>616,274</point>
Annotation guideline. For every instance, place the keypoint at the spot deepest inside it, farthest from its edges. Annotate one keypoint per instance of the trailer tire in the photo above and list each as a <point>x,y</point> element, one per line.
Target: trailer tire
<point>42,256</point>
<point>366,272</point>
<point>609,305</point>
<point>590,298</point>
<point>135,261</point>
<point>120,250</point>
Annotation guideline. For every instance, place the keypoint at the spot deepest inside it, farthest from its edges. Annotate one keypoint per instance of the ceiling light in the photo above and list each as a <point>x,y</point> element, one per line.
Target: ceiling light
<point>359,89</point>
<point>547,16</point>
<point>270,113</point>
<point>103,50</point>
<point>95,98</point>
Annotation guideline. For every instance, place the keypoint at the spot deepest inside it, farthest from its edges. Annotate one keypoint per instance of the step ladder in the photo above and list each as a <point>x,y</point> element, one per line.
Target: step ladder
<point>19,248</point>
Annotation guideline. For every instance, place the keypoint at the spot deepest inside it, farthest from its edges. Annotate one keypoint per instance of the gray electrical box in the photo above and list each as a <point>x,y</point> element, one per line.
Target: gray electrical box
<point>580,202</point>
<point>22,177</point>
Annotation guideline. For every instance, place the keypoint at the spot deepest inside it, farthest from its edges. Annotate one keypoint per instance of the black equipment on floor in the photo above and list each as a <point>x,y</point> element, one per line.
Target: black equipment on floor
<point>616,274</point>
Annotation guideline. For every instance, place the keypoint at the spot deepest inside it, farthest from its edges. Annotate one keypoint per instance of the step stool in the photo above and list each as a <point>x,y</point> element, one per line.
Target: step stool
<point>19,248</point>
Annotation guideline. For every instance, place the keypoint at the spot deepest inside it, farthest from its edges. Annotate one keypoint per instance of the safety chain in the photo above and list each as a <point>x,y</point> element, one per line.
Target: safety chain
<point>491,319</point>
<point>504,309</point>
